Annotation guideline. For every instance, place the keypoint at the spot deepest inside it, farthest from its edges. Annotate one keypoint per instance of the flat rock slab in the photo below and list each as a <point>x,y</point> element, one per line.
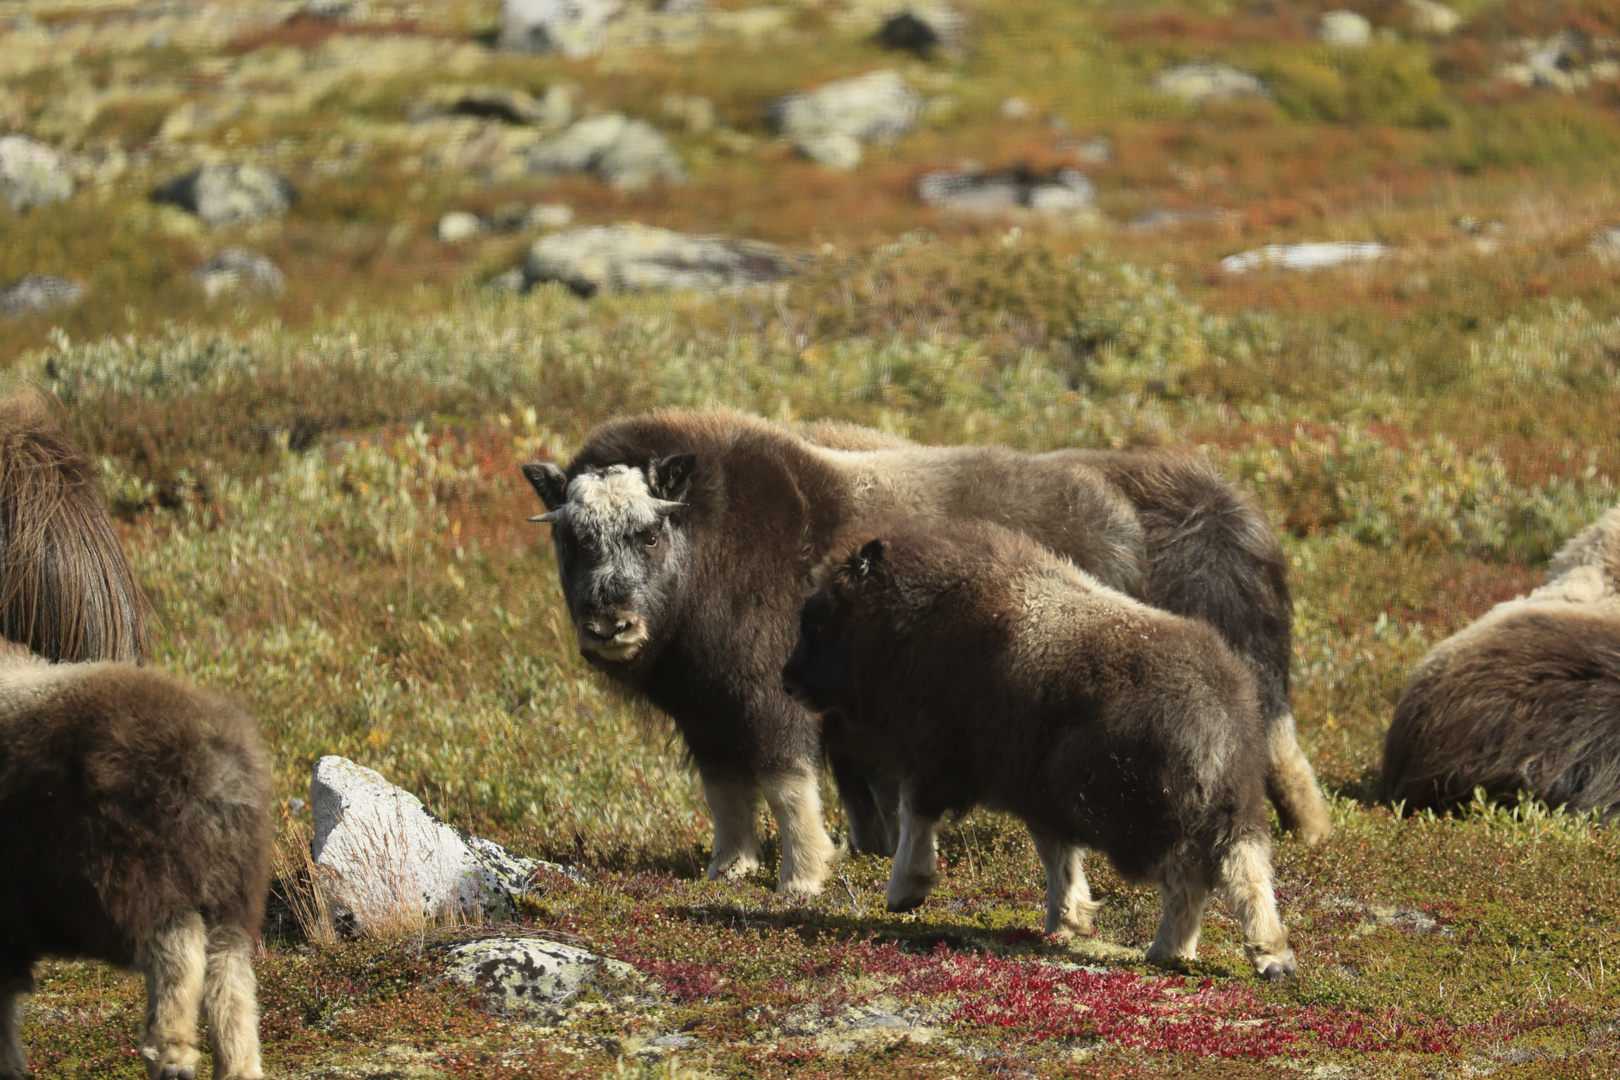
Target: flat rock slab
<point>38,294</point>
<point>1063,191</point>
<point>878,105</point>
<point>629,257</point>
<point>530,977</point>
<point>225,194</point>
<point>385,859</point>
<point>31,174</point>
<point>1201,81</point>
<point>626,152</point>
<point>1304,256</point>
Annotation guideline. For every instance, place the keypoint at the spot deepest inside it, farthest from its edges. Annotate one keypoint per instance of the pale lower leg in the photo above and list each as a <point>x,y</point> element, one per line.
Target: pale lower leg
<point>1292,784</point>
<point>734,805</point>
<point>230,1001</point>
<point>1069,907</point>
<point>1246,880</point>
<point>173,961</point>
<point>807,850</point>
<point>916,868</point>
<point>1183,895</point>
<point>13,1062</point>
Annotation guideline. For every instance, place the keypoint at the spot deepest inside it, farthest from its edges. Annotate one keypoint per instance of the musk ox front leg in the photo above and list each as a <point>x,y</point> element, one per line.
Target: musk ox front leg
<point>807,850</point>
<point>734,805</point>
<point>1246,879</point>
<point>13,1062</point>
<point>1291,783</point>
<point>173,961</point>
<point>1069,907</point>
<point>1183,895</point>
<point>916,869</point>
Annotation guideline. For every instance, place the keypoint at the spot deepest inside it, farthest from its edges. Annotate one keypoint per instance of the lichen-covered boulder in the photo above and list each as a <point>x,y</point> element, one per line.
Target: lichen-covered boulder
<point>870,107</point>
<point>238,270</point>
<point>630,257</point>
<point>569,27</point>
<point>1200,81</point>
<point>226,194</point>
<point>627,152</point>
<point>528,976</point>
<point>38,294</point>
<point>31,173</point>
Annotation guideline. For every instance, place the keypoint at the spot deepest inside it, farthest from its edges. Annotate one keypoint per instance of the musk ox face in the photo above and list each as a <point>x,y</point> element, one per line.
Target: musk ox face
<point>819,674</point>
<point>622,549</point>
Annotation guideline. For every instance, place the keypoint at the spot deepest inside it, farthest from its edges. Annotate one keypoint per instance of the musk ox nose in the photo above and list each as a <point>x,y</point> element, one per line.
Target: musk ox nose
<point>608,627</point>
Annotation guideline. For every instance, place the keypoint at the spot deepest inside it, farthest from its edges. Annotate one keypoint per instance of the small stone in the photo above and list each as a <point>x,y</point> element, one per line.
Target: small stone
<point>38,294</point>
<point>224,194</point>
<point>878,105</point>
<point>630,257</point>
<point>459,225</point>
<point>1344,30</point>
<point>1303,256</point>
<point>570,27</point>
<point>550,216</point>
<point>508,281</point>
<point>1434,19</point>
<point>238,270</point>
<point>1016,108</point>
<point>31,173</point>
<point>1201,81</point>
<point>626,152</point>
<point>530,977</point>
<point>833,149</point>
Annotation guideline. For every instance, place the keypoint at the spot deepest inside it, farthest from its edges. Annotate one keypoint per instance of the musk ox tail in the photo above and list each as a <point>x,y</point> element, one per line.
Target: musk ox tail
<point>66,588</point>
<point>1532,705</point>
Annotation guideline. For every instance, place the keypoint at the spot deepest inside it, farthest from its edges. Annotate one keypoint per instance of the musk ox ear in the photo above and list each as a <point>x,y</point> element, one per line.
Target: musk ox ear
<point>548,481</point>
<point>670,477</point>
<point>866,560</point>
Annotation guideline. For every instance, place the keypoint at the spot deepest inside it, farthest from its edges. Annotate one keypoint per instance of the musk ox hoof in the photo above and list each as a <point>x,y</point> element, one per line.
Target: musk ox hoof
<point>732,867</point>
<point>799,888</point>
<point>171,1062</point>
<point>903,904</point>
<point>1277,971</point>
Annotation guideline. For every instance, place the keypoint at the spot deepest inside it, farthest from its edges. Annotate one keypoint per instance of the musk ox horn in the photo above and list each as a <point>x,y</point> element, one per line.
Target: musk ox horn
<point>548,517</point>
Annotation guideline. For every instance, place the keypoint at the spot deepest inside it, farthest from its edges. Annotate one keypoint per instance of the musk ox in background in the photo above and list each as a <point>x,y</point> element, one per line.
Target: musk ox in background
<point>685,541</point>
<point>134,828</point>
<point>1527,699</point>
<point>66,590</point>
<point>984,670</point>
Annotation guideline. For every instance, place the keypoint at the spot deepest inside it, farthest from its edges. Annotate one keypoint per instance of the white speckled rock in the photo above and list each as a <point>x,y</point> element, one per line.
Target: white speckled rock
<point>1344,29</point>
<point>878,105</point>
<point>1201,81</point>
<point>38,294</point>
<point>238,270</point>
<point>570,27</point>
<point>31,173</point>
<point>459,225</point>
<point>527,976</point>
<point>1435,19</point>
<point>385,858</point>
<point>629,257</point>
<point>833,149</point>
<point>225,194</point>
<point>1303,256</point>
<point>626,152</point>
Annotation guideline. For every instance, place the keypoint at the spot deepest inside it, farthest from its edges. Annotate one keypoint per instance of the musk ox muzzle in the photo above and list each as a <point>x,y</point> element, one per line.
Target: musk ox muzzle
<point>615,635</point>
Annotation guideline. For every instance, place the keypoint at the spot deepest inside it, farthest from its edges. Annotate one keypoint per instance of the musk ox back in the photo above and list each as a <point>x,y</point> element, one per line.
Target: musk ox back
<point>984,670</point>
<point>66,589</point>
<point>1527,699</point>
<point>134,829</point>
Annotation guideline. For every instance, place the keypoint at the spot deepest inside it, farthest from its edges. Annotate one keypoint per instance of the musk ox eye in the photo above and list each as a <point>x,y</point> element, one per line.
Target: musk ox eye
<point>649,538</point>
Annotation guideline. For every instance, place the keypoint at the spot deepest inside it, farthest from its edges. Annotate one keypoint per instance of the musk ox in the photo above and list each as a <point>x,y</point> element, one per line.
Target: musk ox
<point>985,670</point>
<point>684,545</point>
<point>66,590</point>
<point>134,828</point>
<point>1527,699</point>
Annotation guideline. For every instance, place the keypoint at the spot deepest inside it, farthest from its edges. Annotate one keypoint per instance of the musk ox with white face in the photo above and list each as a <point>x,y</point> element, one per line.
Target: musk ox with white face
<point>1526,699</point>
<point>983,670</point>
<point>685,542</point>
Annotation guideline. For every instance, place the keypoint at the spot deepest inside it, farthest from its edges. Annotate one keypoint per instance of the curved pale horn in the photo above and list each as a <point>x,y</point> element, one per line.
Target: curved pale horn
<point>664,506</point>
<point>548,517</point>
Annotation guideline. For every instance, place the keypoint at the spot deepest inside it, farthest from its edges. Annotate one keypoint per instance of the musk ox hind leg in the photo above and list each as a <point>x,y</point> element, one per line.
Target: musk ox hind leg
<point>13,1062</point>
<point>1291,783</point>
<point>916,869</point>
<point>807,850</point>
<point>734,805</point>
<point>1069,907</point>
<point>1183,894</point>
<point>870,805</point>
<point>230,1003</point>
<point>173,961</point>
<point>1246,879</point>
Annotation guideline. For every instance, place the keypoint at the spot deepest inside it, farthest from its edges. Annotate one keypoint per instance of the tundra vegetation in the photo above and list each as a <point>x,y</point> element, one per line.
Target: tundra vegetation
<point>318,489</point>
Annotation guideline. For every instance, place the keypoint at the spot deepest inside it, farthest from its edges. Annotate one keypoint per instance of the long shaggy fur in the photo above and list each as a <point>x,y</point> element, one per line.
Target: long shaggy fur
<point>66,589</point>
<point>1527,699</point>
<point>984,670</point>
<point>134,829</point>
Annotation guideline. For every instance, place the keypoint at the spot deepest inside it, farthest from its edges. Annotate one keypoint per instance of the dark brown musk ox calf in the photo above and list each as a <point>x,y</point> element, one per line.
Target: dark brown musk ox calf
<point>134,829</point>
<point>1526,699</point>
<point>684,545</point>
<point>66,589</point>
<point>987,671</point>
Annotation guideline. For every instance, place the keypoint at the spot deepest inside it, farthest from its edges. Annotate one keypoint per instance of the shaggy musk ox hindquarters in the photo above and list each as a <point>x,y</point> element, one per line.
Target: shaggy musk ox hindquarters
<point>134,828</point>
<point>66,590</point>
<point>1527,699</point>
<point>986,671</point>
<point>684,546</point>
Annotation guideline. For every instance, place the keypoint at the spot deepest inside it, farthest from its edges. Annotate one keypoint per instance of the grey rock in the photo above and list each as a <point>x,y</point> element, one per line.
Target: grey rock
<point>225,194</point>
<point>508,281</point>
<point>384,859</point>
<point>878,105</point>
<point>626,152</point>
<point>238,270</point>
<point>529,977</point>
<point>1344,29</point>
<point>674,1041</point>
<point>1434,19</point>
<point>571,27</point>
<point>1201,81</point>
<point>31,173</point>
<point>38,294</point>
<point>1065,191</point>
<point>1304,256</point>
<point>833,149</point>
<point>459,225</point>
<point>630,257</point>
